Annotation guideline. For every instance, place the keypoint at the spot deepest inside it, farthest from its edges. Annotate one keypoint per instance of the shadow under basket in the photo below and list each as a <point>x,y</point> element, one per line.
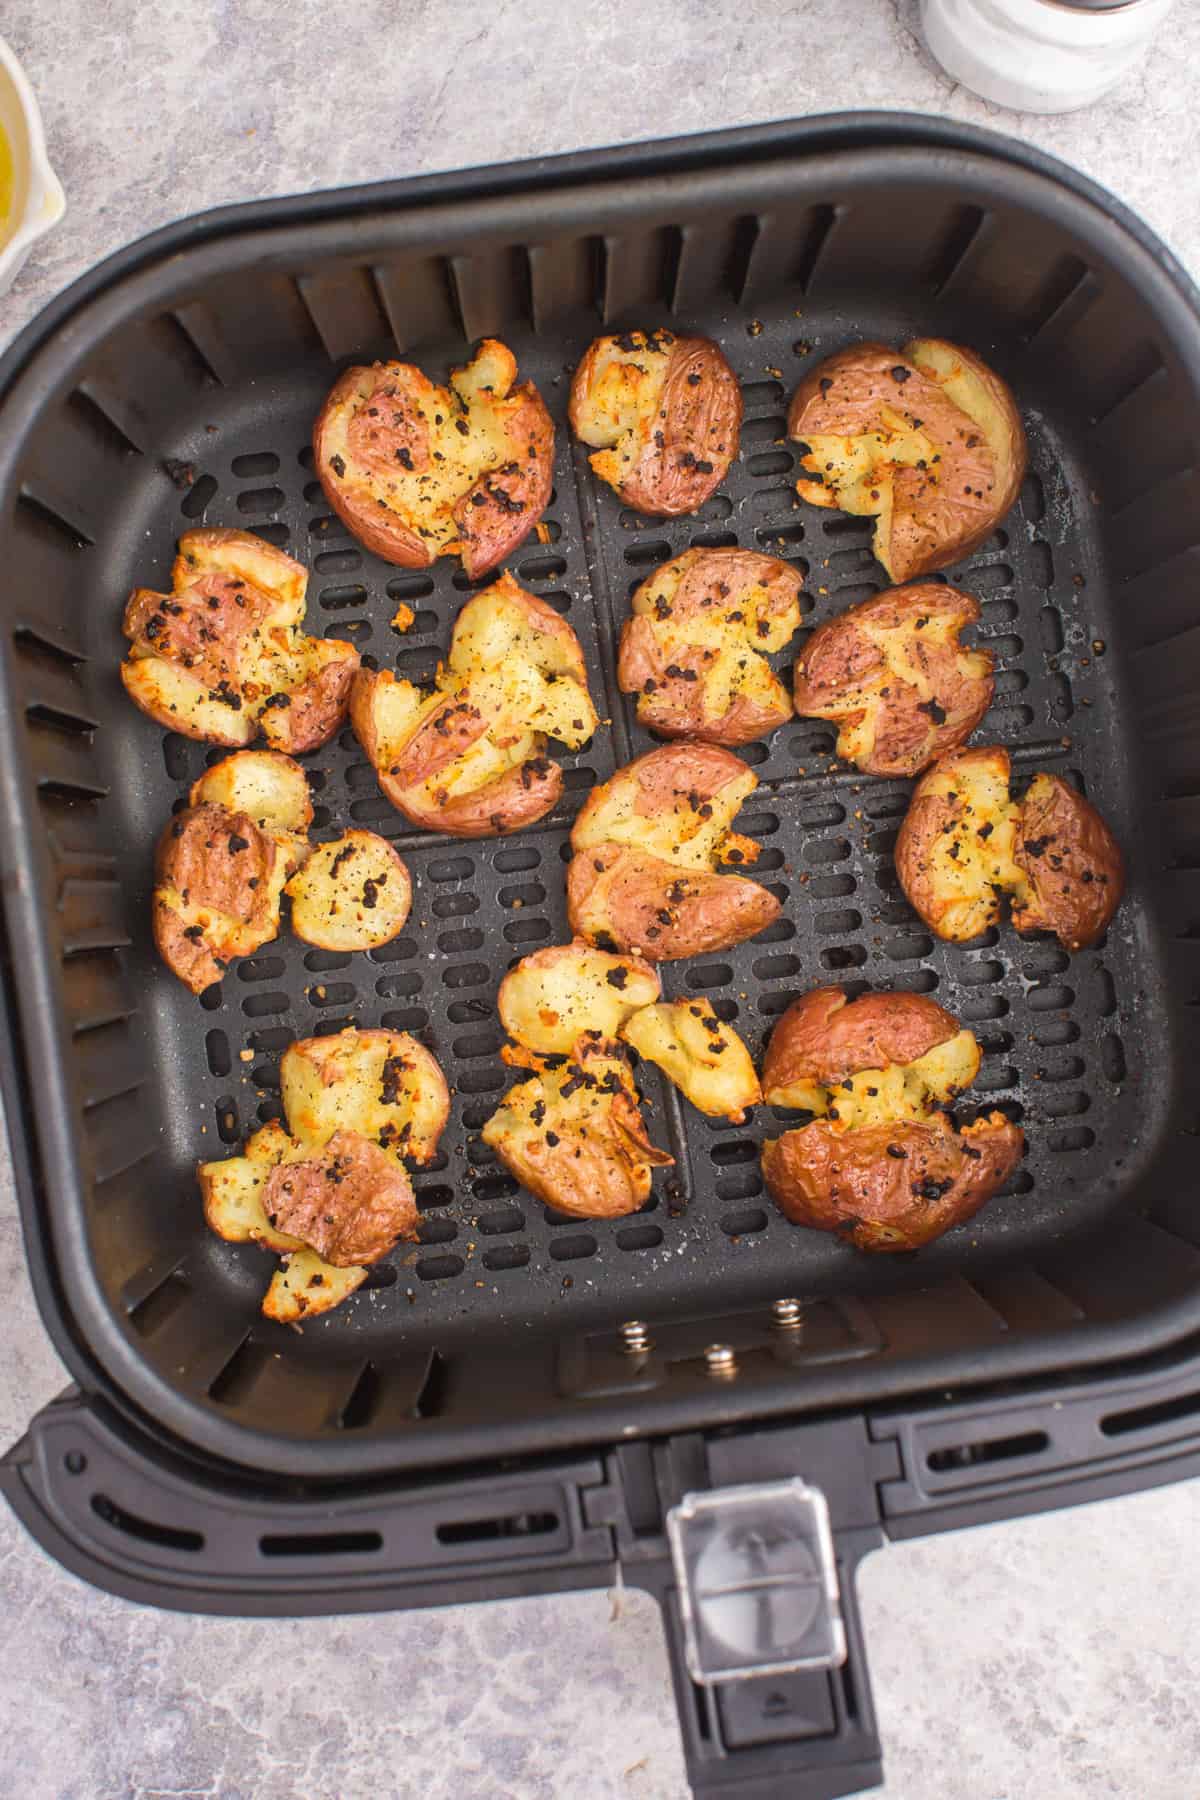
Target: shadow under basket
<point>177,385</point>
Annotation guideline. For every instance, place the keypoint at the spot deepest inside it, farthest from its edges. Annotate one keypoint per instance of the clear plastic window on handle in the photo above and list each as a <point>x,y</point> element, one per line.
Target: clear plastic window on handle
<point>757,1581</point>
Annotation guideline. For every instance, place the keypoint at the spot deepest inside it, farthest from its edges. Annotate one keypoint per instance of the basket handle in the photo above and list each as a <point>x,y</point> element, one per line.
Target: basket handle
<point>807,1735</point>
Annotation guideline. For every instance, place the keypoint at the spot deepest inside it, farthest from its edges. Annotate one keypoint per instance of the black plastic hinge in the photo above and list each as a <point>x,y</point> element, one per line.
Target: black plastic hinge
<point>971,1460</point>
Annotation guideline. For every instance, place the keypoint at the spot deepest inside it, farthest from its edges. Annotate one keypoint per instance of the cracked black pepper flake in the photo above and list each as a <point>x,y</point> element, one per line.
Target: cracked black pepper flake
<point>237,843</point>
<point>1036,846</point>
<point>899,1154</point>
<point>338,466</point>
<point>617,977</point>
<point>552,1138</point>
<point>900,373</point>
<point>936,713</point>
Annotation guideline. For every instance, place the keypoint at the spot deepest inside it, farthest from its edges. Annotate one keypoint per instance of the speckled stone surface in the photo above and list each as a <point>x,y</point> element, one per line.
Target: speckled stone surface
<point>1049,1659</point>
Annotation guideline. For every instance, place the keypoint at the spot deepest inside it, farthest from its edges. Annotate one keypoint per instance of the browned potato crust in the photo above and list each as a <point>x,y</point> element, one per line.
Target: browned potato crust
<point>647,844</point>
<point>880,1165</point>
<point>823,1037</point>
<point>329,1190</point>
<point>700,1053</point>
<point>353,893</point>
<point>893,675</point>
<point>268,785</point>
<point>556,995</point>
<point>575,1136</point>
<point>469,759</point>
<point>385,1085</point>
<point>663,413</point>
<point>349,1201</point>
<point>218,879</point>
<point>695,650</point>
<point>926,440</point>
<point>1071,862</point>
<point>855,1183</point>
<point>418,471</point>
<point>223,657</point>
<point>965,843</point>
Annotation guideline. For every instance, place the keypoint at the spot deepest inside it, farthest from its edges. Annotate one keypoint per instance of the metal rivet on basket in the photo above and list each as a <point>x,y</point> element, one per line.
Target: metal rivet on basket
<point>721,1360</point>
<point>635,1339</point>
<point>786,1315</point>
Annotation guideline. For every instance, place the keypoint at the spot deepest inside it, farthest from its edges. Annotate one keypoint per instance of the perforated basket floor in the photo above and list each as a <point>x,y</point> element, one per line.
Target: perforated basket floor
<point>491,1255</point>
<point>214,351</point>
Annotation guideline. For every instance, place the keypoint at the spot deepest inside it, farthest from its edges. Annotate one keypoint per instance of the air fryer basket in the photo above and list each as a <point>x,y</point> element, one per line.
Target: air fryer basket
<point>210,346</point>
<point>217,358</point>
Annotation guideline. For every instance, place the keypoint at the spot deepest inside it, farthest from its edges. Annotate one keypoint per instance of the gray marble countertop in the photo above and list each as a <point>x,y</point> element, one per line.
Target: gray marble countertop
<point>1053,1656</point>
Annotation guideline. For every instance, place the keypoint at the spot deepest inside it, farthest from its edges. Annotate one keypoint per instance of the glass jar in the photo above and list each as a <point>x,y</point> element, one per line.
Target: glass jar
<point>1040,55</point>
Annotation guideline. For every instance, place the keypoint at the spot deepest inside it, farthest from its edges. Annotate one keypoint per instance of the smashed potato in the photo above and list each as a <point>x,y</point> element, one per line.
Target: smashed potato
<point>217,884</point>
<point>704,1057</point>
<point>927,441</point>
<point>418,471</point>
<point>881,1164</point>
<point>574,1134</point>
<point>223,657</point>
<point>647,844</point>
<point>663,414</point>
<point>351,894</point>
<point>267,785</point>
<point>965,844</point>
<point>893,675</point>
<point>695,651</point>
<point>469,758</point>
<point>383,1085</point>
<point>329,1190</point>
<point>552,997</point>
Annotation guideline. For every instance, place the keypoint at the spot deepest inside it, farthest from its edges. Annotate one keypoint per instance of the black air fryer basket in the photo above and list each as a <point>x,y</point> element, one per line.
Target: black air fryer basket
<point>522,1404</point>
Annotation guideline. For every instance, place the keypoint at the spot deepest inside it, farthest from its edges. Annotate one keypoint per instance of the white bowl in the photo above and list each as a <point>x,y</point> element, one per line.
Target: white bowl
<point>37,197</point>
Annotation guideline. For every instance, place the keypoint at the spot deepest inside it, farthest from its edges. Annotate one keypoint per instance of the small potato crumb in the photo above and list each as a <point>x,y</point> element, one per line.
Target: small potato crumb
<point>403,617</point>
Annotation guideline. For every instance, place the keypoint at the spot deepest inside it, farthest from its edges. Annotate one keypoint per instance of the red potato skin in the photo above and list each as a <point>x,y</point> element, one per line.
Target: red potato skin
<point>622,899</point>
<point>512,499</point>
<point>1072,862</point>
<point>490,529</point>
<point>349,1201</point>
<point>317,706</point>
<point>667,779</point>
<point>824,1037</point>
<point>700,430</point>
<point>194,857</point>
<point>1063,846</point>
<point>377,528</point>
<point>933,525</point>
<point>848,1182</point>
<point>516,799</point>
<point>839,658</point>
<point>207,623</point>
<point>209,619</point>
<point>673,706</point>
